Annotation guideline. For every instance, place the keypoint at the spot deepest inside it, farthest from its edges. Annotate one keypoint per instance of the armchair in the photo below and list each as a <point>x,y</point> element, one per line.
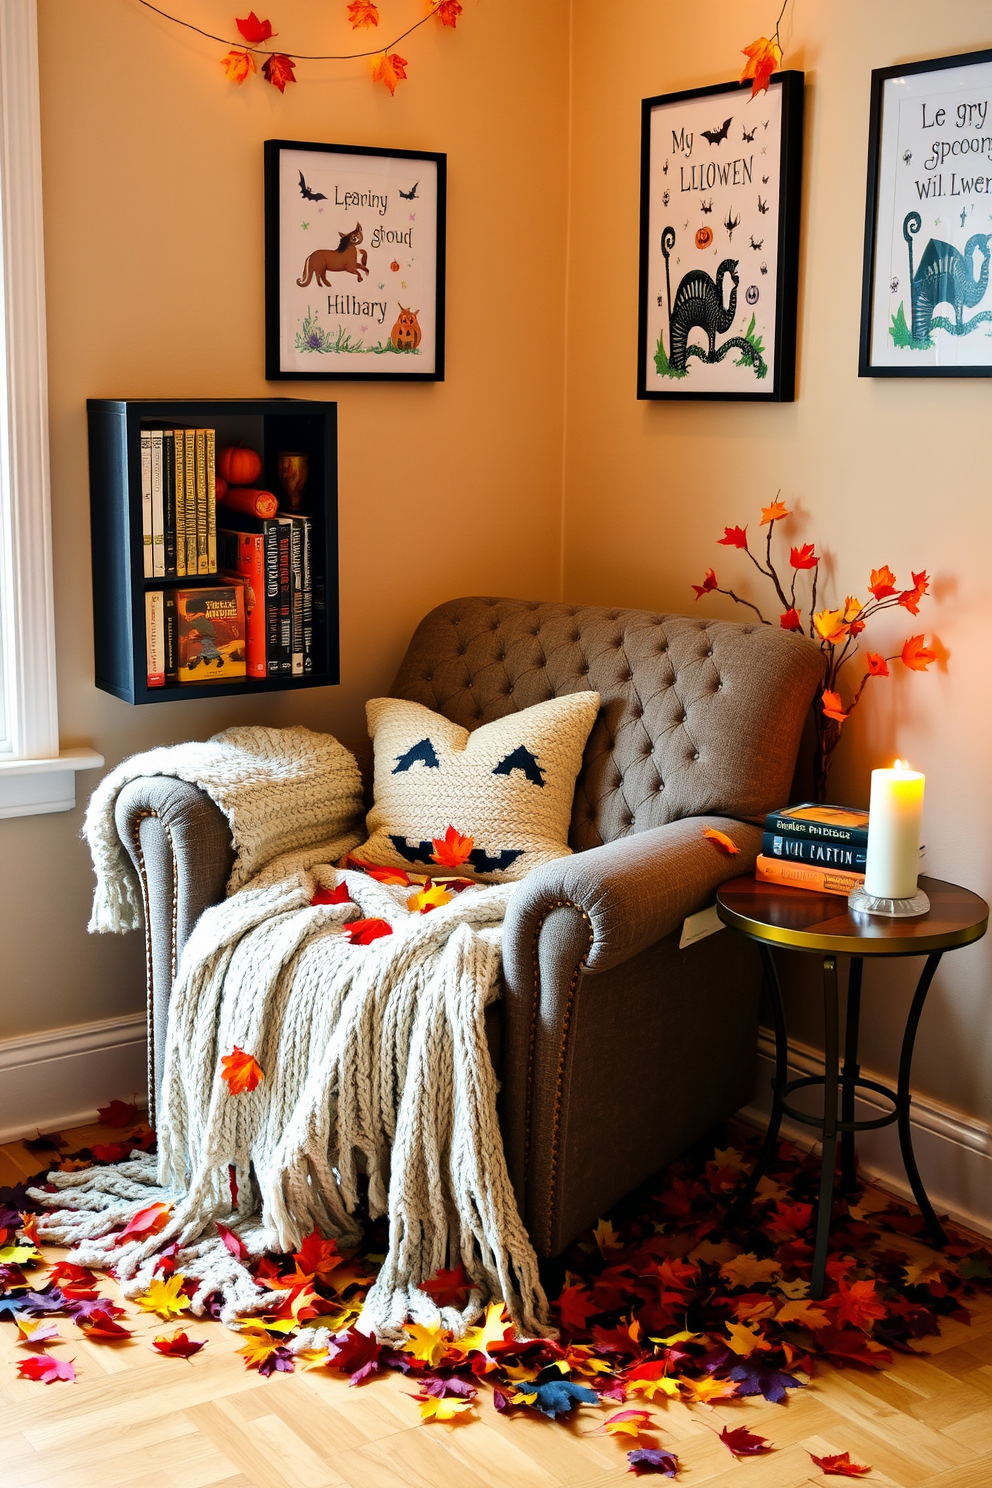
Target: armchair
<point>615,1048</point>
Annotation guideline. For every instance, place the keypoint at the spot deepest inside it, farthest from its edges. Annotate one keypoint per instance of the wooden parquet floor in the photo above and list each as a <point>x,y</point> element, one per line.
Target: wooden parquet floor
<point>136,1420</point>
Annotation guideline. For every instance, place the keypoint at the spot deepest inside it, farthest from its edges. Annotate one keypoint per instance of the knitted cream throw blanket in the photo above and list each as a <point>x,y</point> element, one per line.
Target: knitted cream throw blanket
<point>374,1057</point>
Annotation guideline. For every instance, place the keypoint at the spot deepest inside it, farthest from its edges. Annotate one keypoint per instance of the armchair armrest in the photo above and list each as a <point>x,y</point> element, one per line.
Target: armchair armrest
<point>181,848</point>
<point>631,892</point>
<point>591,964</point>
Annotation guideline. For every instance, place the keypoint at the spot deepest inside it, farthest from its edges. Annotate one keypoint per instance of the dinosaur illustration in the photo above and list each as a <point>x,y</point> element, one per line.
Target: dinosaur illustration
<point>699,302</point>
<point>946,276</point>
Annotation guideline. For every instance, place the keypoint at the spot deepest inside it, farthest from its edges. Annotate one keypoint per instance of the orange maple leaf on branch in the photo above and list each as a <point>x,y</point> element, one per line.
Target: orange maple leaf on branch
<point>763,56</point>
<point>833,707</point>
<point>389,69</point>
<point>238,65</point>
<point>448,11</point>
<point>917,656</point>
<point>240,1071</point>
<point>363,13</point>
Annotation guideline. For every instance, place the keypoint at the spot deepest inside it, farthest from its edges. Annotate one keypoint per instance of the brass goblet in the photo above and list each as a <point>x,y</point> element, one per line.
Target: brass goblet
<point>293,468</point>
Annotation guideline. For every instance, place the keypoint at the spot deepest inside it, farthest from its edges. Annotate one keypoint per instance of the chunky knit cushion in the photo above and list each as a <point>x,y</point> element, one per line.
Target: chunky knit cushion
<point>508,785</point>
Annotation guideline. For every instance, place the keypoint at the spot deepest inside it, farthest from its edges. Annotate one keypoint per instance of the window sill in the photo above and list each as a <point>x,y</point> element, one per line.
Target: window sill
<point>30,787</point>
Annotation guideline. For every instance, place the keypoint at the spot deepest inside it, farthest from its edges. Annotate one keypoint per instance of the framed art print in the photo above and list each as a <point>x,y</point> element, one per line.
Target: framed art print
<point>721,178</point>
<point>354,263</point>
<point>926,307</point>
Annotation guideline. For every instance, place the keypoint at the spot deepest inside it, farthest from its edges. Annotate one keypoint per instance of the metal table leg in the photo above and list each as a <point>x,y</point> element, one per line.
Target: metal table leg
<point>745,1194</point>
<point>905,1102</point>
<point>829,1158</point>
<point>849,1074</point>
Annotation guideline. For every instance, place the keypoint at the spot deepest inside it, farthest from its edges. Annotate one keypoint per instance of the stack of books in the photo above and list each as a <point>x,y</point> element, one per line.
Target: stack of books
<point>823,848</point>
<point>272,556</point>
<point>178,507</point>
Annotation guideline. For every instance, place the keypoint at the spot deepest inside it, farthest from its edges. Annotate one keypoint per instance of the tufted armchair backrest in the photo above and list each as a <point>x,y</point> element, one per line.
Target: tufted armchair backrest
<point>698,716</point>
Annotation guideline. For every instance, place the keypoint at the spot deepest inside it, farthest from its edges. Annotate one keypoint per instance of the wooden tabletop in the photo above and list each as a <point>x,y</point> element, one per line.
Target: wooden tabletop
<point>806,921</point>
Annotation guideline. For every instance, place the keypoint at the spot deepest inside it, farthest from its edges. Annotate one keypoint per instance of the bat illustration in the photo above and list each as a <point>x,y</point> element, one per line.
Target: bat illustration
<point>764,180</point>
<point>666,198</point>
<point>748,137</point>
<point>764,268</point>
<point>409,195</point>
<point>907,157</point>
<point>762,205</point>
<point>309,195</point>
<point>716,135</point>
<point>706,206</point>
<point>757,246</point>
<point>731,223</point>
<point>665,168</point>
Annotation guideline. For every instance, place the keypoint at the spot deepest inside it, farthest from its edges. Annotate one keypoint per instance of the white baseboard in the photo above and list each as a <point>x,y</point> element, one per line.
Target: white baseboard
<point>953,1150</point>
<point>50,1081</point>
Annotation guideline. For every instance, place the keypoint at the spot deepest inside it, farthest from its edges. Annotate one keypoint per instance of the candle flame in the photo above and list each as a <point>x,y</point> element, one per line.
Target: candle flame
<point>901,764</point>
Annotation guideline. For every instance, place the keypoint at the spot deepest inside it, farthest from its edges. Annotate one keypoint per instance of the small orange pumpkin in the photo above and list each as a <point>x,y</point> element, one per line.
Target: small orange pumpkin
<point>239,465</point>
<point>395,266</point>
<point>704,237</point>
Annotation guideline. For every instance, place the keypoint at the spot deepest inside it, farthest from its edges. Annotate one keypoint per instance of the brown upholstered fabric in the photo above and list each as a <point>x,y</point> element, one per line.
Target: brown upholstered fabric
<point>699,717</point>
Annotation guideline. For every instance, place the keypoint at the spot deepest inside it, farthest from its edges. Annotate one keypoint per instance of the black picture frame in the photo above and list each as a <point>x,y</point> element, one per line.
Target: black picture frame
<point>780,292</point>
<point>349,354</point>
<point>898,173</point>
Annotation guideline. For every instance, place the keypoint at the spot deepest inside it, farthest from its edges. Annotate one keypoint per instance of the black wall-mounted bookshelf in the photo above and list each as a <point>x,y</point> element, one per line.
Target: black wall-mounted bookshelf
<point>268,425</point>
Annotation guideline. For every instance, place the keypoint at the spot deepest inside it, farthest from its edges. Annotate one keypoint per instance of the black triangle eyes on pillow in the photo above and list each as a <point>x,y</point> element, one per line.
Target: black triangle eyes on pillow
<point>423,753</point>
<point>521,759</point>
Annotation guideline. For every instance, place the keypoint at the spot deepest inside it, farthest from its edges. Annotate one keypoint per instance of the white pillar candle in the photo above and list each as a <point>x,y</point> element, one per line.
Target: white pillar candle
<point>895,814</point>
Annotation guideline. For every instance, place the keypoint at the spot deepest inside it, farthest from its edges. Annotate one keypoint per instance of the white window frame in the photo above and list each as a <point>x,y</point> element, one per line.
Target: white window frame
<point>34,775</point>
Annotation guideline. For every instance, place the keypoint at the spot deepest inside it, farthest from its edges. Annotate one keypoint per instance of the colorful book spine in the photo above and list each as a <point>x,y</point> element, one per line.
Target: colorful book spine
<point>200,455</point>
<point>171,638</point>
<point>211,460</point>
<point>169,500</point>
<point>158,515</point>
<point>189,479</point>
<point>242,554</point>
<point>296,596</point>
<point>307,526</point>
<point>147,555</point>
<point>805,876</point>
<point>154,638</point>
<point>178,448</point>
<point>821,831</point>
<point>845,855</point>
<point>285,651</point>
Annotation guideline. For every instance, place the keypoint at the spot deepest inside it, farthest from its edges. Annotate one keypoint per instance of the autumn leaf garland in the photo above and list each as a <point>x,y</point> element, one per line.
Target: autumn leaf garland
<point>279,68</point>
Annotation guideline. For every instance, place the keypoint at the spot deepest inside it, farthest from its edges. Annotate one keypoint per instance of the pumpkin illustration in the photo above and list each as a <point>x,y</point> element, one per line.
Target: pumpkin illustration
<point>395,266</point>
<point>704,237</point>
<point>238,465</point>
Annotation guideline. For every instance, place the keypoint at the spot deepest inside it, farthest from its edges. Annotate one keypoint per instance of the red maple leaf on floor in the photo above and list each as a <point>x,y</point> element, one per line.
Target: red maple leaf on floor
<point>449,1288</point>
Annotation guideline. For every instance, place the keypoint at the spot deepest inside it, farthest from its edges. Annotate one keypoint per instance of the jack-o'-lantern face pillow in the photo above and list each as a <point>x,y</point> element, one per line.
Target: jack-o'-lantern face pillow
<point>507,785</point>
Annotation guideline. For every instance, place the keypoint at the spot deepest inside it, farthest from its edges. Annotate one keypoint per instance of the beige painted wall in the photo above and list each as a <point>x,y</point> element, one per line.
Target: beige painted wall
<point>153,220</point>
<point>876,470</point>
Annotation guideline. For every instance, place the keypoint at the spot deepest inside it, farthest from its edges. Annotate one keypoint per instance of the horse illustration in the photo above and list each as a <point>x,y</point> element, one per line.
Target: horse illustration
<point>346,258</point>
<point>699,302</point>
<point>946,276</point>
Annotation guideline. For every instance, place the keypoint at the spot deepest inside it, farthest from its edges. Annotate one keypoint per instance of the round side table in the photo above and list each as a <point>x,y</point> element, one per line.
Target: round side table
<point>796,919</point>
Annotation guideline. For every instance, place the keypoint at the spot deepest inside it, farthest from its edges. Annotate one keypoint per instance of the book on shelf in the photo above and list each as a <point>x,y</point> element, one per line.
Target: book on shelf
<point>272,533</point>
<point>154,638</point>
<point>171,638</point>
<point>210,633</point>
<point>849,856</point>
<point>178,502</point>
<point>242,554</point>
<point>822,823</point>
<point>147,556</point>
<point>158,514</point>
<point>789,874</point>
